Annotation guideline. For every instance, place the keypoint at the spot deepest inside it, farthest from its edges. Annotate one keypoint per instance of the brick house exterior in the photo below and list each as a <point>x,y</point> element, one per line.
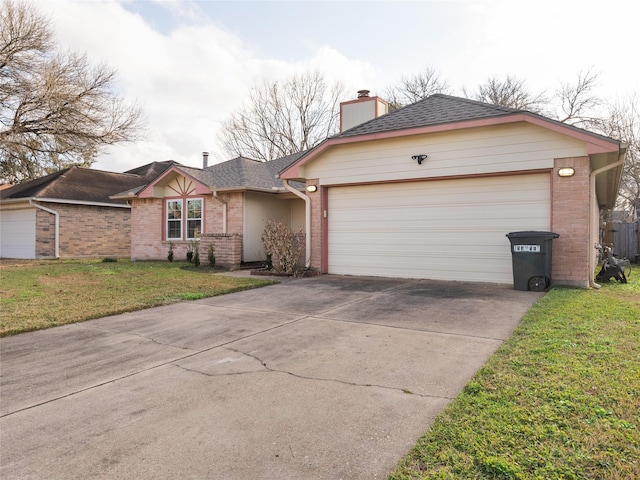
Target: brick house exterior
<point>69,214</point>
<point>231,203</point>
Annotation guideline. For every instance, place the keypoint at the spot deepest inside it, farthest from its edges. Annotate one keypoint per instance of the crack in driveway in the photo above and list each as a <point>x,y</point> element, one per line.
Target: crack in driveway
<point>304,377</point>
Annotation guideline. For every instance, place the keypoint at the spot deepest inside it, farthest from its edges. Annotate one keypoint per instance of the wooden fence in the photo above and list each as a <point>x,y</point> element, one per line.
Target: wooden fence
<point>626,240</point>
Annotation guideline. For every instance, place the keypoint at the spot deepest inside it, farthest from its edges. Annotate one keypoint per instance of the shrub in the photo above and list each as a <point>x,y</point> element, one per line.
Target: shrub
<point>190,252</point>
<point>170,253</point>
<point>282,245</point>
<point>109,260</point>
<point>196,255</point>
<point>211,256</point>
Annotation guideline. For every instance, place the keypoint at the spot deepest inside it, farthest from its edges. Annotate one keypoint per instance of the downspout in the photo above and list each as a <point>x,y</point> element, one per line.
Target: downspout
<point>307,221</point>
<point>224,211</point>
<point>56,225</point>
<point>593,201</point>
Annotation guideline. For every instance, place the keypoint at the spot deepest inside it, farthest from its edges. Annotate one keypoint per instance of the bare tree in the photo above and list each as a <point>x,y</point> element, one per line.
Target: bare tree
<point>56,109</point>
<point>416,87</point>
<point>622,122</point>
<point>509,92</point>
<point>577,102</point>
<point>283,117</point>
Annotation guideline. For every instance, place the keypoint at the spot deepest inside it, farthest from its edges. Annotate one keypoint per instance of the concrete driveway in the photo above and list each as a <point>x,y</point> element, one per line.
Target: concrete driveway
<point>319,378</point>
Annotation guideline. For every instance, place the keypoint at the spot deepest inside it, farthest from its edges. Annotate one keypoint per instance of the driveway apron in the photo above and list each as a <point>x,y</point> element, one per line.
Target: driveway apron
<point>331,377</point>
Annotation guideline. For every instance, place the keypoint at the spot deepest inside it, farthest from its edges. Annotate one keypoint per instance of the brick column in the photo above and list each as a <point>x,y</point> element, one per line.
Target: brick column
<point>570,218</point>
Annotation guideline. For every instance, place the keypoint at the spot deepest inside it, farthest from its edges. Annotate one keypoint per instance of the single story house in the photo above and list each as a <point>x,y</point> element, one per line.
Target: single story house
<point>226,204</point>
<point>69,214</point>
<point>431,190</point>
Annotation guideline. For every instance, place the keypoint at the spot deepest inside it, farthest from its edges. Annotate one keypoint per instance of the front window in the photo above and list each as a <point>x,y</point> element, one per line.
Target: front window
<point>191,210</point>
<point>194,218</point>
<point>174,219</point>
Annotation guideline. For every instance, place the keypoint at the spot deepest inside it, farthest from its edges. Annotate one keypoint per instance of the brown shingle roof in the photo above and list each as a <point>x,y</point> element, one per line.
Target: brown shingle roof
<point>78,185</point>
<point>433,110</point>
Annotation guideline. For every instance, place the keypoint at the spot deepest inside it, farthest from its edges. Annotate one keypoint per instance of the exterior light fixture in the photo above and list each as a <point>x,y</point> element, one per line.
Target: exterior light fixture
<point>311,188</point>
<point>420,158</point>
<point>566,172</point>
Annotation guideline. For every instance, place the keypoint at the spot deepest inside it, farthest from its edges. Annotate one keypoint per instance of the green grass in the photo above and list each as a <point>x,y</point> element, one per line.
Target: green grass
<point>43,294</point>
<point>559,400</point>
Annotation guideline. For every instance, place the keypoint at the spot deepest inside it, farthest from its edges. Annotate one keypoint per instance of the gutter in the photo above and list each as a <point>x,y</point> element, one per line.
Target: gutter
<point>56,228</point>
<point>593,201</point>
<point>307,221</point>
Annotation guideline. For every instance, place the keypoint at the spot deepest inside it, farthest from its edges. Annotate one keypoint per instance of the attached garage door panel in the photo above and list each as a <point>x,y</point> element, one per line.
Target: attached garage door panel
<point>449,229</point>
<point>18,234</point>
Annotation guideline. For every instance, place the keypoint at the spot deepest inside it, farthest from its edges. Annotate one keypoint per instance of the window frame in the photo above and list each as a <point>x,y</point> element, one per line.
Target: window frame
<point>198,219</point>
<point>184,219</point>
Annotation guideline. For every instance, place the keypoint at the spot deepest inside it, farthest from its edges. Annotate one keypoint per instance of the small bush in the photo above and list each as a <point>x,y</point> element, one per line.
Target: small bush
<point>170,253</point>
<point>190,253</point>
<point>196,255</point>
<point>282,245</point>
<point>211,256</point>
<point>109,260</point>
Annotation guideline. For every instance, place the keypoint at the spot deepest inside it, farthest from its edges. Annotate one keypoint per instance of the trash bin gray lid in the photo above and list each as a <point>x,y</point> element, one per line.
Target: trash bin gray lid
<point>534,234</point>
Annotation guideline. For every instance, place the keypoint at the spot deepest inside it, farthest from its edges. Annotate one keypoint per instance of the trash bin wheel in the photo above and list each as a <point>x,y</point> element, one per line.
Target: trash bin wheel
<point>538,284</point>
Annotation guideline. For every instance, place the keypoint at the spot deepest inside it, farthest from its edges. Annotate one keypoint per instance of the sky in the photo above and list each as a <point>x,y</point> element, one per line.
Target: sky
<point>190,64</point>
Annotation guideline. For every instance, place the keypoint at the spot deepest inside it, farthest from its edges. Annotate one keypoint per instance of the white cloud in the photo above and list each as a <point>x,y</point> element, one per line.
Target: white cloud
<point>187,81</point>
<point>189,71</point>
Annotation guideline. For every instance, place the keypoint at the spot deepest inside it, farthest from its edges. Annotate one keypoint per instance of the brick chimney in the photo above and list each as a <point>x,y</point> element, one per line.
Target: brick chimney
<point>360,110</point>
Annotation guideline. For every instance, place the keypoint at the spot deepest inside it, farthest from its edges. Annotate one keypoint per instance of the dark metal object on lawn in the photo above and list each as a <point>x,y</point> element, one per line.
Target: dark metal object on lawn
<point>612,267</point>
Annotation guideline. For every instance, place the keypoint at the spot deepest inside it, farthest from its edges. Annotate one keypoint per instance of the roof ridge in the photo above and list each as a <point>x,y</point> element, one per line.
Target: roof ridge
<point>477,102</point>
<point>56,180</point>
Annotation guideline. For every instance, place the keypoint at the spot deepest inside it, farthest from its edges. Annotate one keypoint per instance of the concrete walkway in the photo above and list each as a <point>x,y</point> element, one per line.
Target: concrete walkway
<point>319,378</point>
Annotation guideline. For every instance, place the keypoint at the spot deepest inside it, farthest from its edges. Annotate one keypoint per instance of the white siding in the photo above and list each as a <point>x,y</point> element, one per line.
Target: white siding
<point>18,233</point>
<point>443,229</point>
<point>485,150</point>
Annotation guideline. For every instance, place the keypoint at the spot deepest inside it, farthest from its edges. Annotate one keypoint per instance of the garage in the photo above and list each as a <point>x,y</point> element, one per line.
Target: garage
<point>439,229</point>
<point>18,233</point>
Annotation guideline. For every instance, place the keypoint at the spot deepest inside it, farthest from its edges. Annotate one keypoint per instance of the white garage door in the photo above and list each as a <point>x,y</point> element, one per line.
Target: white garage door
<point>18,233</point>
<point>445,229</point>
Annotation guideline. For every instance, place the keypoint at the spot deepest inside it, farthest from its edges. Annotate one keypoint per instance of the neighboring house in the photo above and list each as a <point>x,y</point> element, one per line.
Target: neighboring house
<point>430,191</point>
<point>69,214</point>
<point>226,204</point>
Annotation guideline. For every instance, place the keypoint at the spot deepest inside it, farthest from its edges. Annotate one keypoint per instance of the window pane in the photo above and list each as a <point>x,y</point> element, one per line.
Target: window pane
<point>174,229</point>
<point>194,209</point>
<point>174,209</point>
<point>194,228</point>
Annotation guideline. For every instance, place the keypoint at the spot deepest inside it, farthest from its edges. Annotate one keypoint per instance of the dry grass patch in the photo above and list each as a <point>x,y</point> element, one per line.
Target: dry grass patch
<point>42,294</point>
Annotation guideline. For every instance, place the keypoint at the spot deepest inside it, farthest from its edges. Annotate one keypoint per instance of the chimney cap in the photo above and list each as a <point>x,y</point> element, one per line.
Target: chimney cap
<point>363,93</point>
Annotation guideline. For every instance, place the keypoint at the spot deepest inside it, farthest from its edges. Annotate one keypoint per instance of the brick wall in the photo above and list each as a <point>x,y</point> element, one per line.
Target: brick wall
<point>316,225</point>
<point>227,249</point>
<point>45,234</point>
<point>146,230</point>
<point>147,227</point>
<point>235,212</point>
<point>85,231</point>
<point>570,218</point>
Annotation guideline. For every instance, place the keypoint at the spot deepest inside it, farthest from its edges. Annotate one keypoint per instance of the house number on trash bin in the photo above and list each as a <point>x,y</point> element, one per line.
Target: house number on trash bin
<point>527,248</point>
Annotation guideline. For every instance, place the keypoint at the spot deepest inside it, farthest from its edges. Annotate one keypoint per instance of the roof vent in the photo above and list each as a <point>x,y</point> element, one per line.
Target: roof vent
<point>205,159</point>
<point>363,93</point>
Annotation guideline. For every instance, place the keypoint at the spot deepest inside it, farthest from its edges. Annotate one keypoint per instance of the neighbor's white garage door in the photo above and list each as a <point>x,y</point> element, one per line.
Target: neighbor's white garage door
<point>444,229</point>
<point>18,233</point>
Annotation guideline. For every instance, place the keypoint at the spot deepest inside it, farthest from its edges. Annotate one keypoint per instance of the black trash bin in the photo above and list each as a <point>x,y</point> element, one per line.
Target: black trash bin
<point>531,257</point>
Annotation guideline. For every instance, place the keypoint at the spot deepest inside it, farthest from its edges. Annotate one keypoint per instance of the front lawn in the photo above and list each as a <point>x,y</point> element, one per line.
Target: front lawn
<point>559,400</point>
<point>42,294</point>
